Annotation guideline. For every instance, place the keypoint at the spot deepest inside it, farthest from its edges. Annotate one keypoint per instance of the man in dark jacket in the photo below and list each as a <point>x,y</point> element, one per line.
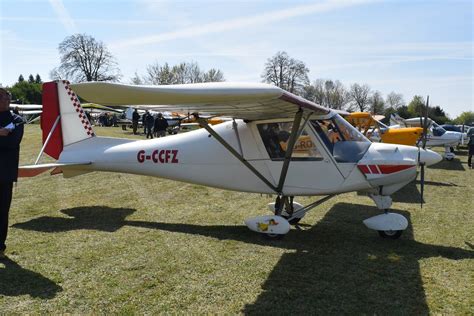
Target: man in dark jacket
<point>161,124</point>
<point>149,121</point>
<point>11,133</point>
<point>135,119</point>
<point>470,145</point>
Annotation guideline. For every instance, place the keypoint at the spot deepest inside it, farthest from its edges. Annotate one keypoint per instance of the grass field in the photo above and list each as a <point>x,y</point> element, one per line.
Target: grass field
<point>115,243</point>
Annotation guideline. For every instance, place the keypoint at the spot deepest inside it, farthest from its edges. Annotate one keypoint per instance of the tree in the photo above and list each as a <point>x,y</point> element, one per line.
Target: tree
<point>213,75</point>
<point>83,58</point>
<point>315,92</point>
<point>336,94</point>
<point>438,114</point>
<point>180,74</point>
<point>136,79</point>
<point>377,103</point>
<point>38,79</point>
<point>360,96</point>
<point>26,92</point>
<point>416,106</point>
<point>403,112</point>
<point>465,118</point>
<point>31,79</point>
<point>394,100</point>
<point>20,78</point>
<point>287,73</point>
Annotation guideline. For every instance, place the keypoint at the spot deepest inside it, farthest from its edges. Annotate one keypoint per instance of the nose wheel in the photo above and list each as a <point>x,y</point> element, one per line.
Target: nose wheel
<point>388,225</point>
<point>391,234</point>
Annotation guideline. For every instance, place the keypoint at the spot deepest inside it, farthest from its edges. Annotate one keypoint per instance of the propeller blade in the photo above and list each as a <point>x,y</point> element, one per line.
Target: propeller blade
<point>425,125</point>
<point>422,183</point>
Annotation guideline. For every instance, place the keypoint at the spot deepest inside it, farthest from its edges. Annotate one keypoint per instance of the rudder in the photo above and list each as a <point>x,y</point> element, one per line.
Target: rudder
<point>74,126</point>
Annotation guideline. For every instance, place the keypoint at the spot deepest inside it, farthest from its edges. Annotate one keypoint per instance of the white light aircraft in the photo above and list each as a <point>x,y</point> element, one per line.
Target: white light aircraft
<point>278,143</point>
<point>436,135</point>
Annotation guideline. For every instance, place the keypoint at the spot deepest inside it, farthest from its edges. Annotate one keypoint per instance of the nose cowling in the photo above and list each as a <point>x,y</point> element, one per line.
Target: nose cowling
<point>429,157</point>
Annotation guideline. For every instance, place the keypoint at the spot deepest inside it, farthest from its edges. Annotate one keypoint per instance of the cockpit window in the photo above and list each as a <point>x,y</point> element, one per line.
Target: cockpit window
<point>438,131</point>
<point>344,141</point>
<point>276,136</point>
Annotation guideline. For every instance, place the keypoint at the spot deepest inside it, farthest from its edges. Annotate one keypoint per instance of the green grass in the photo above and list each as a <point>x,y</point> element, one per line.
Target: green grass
<point>116,243</point>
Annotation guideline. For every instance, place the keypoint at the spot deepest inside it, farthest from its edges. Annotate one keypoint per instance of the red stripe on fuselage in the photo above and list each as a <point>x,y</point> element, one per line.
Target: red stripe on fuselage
<point>373,169</point>
<point>387,169</point>
<point>384,169</point>
<point>364,169</point>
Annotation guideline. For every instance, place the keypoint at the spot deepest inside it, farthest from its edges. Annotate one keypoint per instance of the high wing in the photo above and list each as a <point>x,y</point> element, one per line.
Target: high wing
<point>100,107</point>
<point>248,101</point>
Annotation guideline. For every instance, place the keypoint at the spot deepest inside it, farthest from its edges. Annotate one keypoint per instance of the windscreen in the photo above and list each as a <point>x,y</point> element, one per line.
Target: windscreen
<point>344,141</point>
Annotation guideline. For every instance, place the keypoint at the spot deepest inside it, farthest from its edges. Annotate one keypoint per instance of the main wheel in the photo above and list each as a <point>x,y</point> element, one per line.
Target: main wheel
<point>274,236</point>
<point>392,234</point>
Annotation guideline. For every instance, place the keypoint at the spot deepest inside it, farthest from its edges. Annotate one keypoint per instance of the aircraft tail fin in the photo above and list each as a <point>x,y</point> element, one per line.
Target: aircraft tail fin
<point>63,120</point>
<point>395,119</point>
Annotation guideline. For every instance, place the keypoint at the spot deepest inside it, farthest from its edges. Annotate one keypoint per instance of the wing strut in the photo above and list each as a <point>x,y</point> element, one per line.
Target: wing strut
<point>203,123</point>
<point>289,149</point>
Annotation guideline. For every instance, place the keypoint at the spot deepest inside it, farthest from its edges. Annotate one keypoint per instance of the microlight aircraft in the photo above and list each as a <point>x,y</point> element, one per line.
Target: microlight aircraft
<point>376,131</point>
<point>252,153</point>
<point>436,135</point>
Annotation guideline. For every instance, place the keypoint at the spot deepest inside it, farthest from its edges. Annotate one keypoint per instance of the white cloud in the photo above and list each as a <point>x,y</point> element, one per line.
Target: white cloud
<point>63,15</point>
<point>242,22</point>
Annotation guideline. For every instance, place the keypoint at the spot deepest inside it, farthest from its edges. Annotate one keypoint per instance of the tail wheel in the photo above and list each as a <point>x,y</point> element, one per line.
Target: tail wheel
<point>391,234</point>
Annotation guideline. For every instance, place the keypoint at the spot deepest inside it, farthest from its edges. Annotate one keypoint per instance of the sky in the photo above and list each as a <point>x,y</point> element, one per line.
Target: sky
<point>410,47</point>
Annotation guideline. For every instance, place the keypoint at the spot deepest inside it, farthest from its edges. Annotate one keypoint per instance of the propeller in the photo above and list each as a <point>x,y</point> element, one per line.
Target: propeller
<point>424,124</point>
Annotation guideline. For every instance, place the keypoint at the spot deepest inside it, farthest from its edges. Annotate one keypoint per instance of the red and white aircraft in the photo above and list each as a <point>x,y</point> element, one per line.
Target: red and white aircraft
<point>278,143</point>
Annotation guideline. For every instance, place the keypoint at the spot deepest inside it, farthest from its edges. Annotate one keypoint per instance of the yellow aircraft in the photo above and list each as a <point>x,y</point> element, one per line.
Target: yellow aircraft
<point>379,132</point>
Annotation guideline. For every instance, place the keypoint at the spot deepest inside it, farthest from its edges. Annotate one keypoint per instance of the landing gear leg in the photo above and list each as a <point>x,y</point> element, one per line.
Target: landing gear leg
<point>448,153</point>
<point>388,225</point>
<point>285,207</point>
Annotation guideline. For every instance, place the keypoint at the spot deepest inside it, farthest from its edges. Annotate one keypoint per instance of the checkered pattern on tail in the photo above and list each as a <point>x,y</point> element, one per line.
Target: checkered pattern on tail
<point>77,106</point>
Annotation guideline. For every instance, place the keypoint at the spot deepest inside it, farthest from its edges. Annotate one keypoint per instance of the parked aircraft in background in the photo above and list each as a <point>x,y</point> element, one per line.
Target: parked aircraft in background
<point>436,136</point>
<point>376,131</point>
<point>245,154</point>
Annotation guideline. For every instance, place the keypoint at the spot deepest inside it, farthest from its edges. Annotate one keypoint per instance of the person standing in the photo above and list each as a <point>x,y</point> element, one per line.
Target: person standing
<point>470,145</point>
<point>144,121</point>
<point>161,124</point>
<point>135,118</point>
<point>149,122</point>
<point>11,133</point>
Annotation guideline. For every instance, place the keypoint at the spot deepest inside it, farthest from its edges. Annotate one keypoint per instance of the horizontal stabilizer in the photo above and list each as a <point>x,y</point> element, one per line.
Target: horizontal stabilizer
<point>34,170</point>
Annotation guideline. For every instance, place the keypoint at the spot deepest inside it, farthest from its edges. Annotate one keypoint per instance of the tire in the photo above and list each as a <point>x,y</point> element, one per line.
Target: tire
<point>273,236</point>
<point>391,234</point>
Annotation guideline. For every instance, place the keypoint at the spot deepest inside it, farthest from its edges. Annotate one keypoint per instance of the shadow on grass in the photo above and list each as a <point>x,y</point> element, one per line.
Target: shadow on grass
<point>439,184</point>
<point>16,280</point>
<point>454,164</point>
<point>338,265</point>
<point>408,194</point>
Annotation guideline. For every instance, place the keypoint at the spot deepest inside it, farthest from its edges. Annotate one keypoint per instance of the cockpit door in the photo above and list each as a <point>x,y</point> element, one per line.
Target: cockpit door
<point>312,170</point>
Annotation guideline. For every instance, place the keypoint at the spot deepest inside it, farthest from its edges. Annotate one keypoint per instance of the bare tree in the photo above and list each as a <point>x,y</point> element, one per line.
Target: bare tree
<point>136,79</point>
<point>376,103</point>
<point>336,94</point>
<point>83,58</point>
<point>394,100</point>
<point>213,75</point>
<point>328,93</point>
<point>180,74</point>
<point>360,96</point>
<point>287,73</point>
<point>315,92</point>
